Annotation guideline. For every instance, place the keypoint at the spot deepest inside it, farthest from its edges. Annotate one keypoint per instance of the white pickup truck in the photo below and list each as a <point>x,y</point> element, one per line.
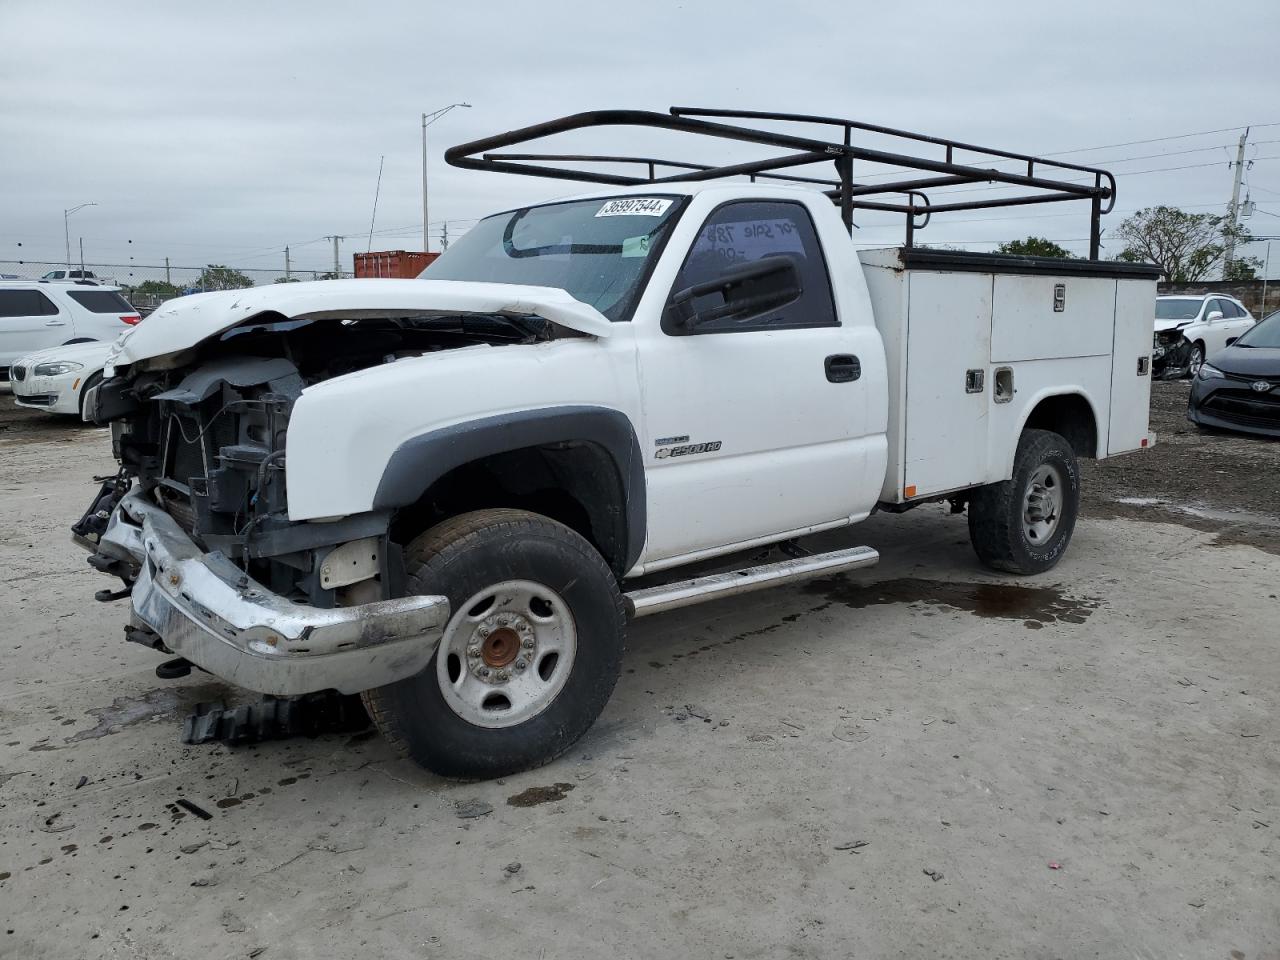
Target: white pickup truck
<point>434,492</point>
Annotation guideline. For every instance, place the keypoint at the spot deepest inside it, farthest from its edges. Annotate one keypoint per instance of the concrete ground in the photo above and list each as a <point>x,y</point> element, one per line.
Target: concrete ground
<point>920,760</point>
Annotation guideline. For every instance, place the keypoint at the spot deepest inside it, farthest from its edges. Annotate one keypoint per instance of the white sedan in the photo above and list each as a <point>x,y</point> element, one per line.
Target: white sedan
<point>57,379</point>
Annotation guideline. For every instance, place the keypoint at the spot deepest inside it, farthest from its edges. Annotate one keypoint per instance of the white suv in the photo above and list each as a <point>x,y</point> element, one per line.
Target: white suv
<point>72,276</point>
<point>36,315</point>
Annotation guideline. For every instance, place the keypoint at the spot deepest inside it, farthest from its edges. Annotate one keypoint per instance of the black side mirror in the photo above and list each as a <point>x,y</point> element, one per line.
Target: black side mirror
<point>744,291</point>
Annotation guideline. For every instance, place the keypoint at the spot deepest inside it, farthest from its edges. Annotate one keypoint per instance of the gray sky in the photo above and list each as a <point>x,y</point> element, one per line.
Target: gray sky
<point>224,132</point>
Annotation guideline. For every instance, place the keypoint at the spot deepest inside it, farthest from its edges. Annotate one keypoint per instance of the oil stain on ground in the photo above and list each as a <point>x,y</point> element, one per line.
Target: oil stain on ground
<point>1034,606</point>
<point>536,795</point>
<point>161,702</point>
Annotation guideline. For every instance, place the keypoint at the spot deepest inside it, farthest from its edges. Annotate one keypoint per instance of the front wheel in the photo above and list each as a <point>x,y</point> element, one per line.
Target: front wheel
<point>1024,524</point>
<point>1196,360</point>
<point>529,657</point>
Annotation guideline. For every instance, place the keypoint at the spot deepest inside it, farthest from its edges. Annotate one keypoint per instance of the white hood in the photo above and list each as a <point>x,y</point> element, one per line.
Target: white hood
<point>1163,325</point>
<point>186,321</point>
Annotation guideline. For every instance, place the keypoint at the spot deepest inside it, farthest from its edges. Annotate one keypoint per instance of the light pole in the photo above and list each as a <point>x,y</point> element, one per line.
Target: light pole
<point>427,120</point>
<point>66,230</point>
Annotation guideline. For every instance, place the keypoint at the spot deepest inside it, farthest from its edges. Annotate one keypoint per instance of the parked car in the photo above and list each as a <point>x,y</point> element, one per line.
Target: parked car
<point>1189,328</point>
<point>58,379</point>
<point>72,276</point>
<point>37,314</point>
<point>434,491</point>
<point>1239,388</point>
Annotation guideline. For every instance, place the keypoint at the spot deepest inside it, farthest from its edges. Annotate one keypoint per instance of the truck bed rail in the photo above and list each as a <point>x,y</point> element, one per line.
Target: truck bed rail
<point>1042,180</point>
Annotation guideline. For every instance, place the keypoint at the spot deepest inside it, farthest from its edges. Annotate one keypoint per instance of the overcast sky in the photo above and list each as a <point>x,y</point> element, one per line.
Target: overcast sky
<point>223,132</point>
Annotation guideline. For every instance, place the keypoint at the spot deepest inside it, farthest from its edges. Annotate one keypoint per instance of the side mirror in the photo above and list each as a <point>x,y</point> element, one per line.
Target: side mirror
<point>743,291</point>
<point>1214,315</point>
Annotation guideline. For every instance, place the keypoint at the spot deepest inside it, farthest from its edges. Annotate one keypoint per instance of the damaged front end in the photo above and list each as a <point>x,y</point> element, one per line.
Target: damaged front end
<point>196,524</point>
<point>1170,355</point>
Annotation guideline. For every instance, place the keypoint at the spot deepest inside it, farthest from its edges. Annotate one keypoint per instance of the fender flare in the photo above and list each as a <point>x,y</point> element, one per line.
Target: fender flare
<point>1073,390</point>
<point>422,460</point>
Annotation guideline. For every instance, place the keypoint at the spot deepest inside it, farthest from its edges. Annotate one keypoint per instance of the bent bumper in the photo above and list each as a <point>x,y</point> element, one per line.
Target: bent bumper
<point>205,608</point>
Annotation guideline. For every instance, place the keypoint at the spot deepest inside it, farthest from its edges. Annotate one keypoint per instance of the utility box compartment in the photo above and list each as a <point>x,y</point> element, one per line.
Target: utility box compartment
<point>975,342</point>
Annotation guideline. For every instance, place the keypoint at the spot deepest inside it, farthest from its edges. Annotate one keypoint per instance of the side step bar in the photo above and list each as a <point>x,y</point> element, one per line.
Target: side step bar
<point>685,593</point>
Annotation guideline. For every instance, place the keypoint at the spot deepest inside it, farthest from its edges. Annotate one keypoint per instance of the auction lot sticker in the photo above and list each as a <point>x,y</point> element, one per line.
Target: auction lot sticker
<point>634,207</point>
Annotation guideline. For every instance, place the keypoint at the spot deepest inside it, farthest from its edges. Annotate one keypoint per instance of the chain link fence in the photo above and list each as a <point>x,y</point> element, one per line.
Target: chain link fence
<point>148,285</point>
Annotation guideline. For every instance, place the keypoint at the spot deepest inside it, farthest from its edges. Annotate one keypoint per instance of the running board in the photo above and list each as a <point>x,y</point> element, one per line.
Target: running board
<point>685,593</point>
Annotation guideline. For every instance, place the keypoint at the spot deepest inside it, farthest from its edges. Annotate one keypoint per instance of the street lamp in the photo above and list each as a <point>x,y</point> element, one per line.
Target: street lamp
<point>66,231</point>
<point>427,120</point>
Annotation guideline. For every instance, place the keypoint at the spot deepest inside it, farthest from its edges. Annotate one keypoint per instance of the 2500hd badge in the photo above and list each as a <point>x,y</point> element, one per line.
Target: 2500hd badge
<point>663,453</point>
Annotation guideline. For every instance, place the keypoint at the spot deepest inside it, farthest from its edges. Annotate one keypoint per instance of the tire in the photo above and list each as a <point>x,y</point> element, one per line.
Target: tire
<point>93,380</point>
<point>563,620</point>
<point>1195,360</point>
<point>1002,525</point>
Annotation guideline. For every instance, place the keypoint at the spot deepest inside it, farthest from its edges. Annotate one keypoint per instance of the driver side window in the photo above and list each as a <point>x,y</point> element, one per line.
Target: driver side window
<point>742,232</point>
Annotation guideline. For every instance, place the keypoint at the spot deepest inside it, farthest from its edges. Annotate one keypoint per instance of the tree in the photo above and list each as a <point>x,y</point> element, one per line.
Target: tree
<point>1034,247</point>
<point>156,289</point>
<point>218,277</point>
<point>1187,247</point>
<point>286,280</point>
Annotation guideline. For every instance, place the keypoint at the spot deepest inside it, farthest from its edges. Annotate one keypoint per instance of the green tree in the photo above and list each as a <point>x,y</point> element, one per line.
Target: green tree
<point>1187,247</point>
<point>156,289</point>
<point>1034,247</point>
<point>218,277</point>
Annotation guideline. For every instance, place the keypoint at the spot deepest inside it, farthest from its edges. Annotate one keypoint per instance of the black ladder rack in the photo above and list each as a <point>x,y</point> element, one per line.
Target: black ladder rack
<point>1046,181</point>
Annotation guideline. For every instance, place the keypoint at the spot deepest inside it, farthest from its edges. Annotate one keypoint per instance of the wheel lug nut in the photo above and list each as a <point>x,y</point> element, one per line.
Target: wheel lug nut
<point>503,675</point>
<point>484,672</point>
<point>473,652</point>
<point>527,643</point>
<point>520,666</point>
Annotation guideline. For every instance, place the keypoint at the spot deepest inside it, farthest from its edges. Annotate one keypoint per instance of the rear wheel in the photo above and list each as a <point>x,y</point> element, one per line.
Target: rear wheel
<point>529,657</point>
<point>1024,524</point>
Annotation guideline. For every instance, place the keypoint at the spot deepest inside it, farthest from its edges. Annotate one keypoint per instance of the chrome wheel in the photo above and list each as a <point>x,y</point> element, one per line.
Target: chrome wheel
<point>506,653</point>
<point>1042,504</point>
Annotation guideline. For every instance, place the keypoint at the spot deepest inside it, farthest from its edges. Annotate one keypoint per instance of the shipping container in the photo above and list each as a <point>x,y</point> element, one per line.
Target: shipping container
<point>393,263</point>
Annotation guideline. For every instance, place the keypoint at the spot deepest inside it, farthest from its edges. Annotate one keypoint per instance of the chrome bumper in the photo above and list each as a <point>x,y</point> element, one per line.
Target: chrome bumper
<point>207,610</point>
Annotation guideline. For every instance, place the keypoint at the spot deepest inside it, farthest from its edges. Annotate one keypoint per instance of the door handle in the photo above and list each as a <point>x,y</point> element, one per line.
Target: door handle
<point>55,323</point>
<point>842,368</point>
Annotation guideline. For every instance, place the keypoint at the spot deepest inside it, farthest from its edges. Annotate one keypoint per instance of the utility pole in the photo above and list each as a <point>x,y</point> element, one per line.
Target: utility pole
<point>167,279</point>
<point>81,258</point>
<point>337,264</point>
<point>1233,211</point>
<point>66,231</point>
<point>286,263</point>
<point>427,120</point>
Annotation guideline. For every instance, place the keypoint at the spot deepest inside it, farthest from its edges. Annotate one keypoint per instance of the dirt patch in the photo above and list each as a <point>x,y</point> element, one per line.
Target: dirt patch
<point>1035,606</point>
<point>536,795</point>
<point>1219,482</point>
<point>32,426</point>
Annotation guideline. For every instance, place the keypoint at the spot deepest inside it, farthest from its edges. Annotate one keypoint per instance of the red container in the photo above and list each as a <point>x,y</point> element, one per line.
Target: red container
<point>399,264</point>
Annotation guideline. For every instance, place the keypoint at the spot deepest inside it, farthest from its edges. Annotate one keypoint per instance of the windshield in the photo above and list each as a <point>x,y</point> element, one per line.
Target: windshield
<point>1177,309</point>
<point>1265,334</point>
<point>597,250</point>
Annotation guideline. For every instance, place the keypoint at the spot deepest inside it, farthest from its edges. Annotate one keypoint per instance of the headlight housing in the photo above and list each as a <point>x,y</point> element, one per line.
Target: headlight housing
<point>1209,372</point>
<point>56,369</point>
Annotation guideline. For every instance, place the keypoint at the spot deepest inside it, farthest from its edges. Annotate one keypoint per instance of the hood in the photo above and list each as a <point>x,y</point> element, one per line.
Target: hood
<point>186,321</point>
<point>1248,361</point>
<point>1163,325</point>
<point>92,354</point>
